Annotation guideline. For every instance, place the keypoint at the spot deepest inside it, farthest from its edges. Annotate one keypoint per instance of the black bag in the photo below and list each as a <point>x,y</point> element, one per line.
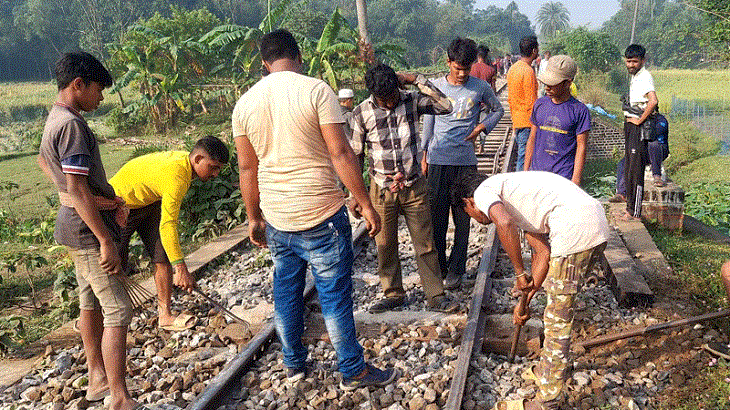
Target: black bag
<point>648,127</point>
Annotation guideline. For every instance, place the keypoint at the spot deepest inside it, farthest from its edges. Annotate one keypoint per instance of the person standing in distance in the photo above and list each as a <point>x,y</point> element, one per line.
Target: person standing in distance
<point>522,94</point>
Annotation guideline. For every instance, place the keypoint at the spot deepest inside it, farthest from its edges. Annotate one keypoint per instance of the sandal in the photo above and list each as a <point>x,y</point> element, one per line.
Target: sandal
<point>509,405</point>
<point>182,322</point>
<point>442,303</point>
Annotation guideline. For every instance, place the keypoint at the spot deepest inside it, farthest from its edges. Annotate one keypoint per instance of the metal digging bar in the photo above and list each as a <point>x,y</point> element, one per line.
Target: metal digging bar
<point>220,386</point>
<point>653,328</point>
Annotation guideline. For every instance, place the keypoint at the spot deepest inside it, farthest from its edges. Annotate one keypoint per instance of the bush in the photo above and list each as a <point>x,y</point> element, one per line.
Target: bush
<point>688,144</point>
<point>592,50</point>
<point>710,203</point>
<point>126,121</point>
<point>618,80</point>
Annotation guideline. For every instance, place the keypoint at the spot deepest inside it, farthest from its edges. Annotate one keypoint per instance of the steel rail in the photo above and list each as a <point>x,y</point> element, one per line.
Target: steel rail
<point>220,386</point>
<point>473,333</point>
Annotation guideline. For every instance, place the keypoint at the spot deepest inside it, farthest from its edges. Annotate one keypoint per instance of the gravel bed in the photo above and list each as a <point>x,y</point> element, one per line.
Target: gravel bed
<point>168,370</point>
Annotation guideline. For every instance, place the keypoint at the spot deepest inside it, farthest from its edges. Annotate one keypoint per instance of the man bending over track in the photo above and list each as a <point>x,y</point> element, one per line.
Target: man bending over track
<point>565,228</point>
<point>153,186</point>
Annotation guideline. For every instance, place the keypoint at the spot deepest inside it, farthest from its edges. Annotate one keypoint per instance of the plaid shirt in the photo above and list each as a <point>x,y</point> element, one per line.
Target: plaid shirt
<point>391,136</point>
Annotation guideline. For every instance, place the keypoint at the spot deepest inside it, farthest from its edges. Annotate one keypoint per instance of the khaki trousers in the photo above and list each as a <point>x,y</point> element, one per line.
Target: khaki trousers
<point>413,203</point>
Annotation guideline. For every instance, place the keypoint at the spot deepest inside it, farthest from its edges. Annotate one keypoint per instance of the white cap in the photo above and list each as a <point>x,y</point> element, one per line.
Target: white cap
<point>345,93</point>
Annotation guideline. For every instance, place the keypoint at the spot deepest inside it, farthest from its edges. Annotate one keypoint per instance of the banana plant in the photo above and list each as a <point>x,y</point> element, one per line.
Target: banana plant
<point>336,50</point>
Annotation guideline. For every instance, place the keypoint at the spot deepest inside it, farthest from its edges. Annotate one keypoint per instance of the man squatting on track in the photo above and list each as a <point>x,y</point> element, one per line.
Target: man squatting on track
<point>565,228</point>
<point>291,149</point>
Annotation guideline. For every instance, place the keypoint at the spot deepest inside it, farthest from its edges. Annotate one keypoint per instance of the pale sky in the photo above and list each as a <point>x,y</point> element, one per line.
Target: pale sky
<point>589,13</point>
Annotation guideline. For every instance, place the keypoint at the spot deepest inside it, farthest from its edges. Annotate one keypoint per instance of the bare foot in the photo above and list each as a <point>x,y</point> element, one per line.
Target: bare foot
<point>626,216</point>
<point>124,404</point>
<point>97,385</point>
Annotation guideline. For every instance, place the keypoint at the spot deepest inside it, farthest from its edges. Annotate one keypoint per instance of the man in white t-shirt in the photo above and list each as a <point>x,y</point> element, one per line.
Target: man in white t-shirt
<point>643,103</point>
<point>566,228</point>
<point>291,149</point>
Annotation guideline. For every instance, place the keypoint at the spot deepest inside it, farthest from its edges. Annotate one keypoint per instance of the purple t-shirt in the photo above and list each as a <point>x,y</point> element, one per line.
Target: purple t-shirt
<point>555,140</point>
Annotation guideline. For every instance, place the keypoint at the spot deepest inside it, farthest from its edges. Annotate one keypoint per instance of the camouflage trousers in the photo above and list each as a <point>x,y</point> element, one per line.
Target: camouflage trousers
<point>561,285</point>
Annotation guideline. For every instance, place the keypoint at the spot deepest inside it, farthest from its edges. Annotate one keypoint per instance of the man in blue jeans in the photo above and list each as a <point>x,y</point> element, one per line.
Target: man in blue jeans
<point>291,150</point>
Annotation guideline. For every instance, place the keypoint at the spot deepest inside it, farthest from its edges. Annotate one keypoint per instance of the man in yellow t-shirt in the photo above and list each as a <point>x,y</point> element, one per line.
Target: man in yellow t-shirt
<point>153,187</point>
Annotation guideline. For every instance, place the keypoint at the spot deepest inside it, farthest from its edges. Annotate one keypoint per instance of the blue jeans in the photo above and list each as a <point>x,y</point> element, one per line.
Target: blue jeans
<point>521,137</point>
<point>328,249</point>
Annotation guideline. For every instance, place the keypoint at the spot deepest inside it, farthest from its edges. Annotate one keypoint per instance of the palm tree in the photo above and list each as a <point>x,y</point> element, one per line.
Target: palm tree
<point>552,17</point>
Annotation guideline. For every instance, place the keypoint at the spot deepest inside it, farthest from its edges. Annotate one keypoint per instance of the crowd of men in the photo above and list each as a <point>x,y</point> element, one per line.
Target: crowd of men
<point>298,143</point>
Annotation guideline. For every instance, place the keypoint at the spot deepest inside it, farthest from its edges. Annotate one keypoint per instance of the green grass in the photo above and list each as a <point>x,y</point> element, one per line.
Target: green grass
<point>708,169</point>
<point>29,200</point>
<point>26,94</point>
<point>697,261</point>
<point>705,85</point>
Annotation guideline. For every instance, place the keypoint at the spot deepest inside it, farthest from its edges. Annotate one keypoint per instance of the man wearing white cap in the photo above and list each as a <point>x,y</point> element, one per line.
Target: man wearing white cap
<point>560,124</point>
<point>347,103</point>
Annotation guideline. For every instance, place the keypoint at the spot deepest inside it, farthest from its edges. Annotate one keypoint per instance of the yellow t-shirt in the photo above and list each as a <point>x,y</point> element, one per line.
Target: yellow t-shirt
<point>160,176</point>
<point>281,116</point>
<point>522,93</point>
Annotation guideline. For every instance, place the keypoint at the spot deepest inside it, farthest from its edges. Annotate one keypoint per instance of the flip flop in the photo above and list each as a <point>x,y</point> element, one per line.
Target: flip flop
<point>182,321</point>
<point>510,405</point>
<point>100,395</point>
<point>76,328</point>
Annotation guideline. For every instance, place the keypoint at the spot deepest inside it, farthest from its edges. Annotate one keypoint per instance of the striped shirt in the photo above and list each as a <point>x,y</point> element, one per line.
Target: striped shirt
<point>391,136</point>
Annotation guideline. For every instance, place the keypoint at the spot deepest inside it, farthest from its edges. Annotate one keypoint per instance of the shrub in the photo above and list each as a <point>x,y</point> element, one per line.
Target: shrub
<point>126,121</point>
<point>592,50</point>
<point>710,203</point>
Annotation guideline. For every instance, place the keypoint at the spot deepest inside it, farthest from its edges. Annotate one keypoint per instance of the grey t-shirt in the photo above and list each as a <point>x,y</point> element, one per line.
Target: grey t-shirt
<point>444,136</point>
<point>69,147</point>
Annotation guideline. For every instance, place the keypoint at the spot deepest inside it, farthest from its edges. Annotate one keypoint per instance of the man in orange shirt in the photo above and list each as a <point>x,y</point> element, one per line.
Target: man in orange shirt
<point>522,89</point>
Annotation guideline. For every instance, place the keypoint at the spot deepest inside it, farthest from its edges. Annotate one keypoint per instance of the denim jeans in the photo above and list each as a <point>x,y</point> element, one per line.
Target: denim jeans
<point>521,137</point>
<point>328,249</point>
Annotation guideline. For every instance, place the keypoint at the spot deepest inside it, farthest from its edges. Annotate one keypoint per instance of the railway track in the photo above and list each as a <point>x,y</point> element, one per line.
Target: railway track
<point>495,157</point>
<point>444,358</point>
<point>162,379</point>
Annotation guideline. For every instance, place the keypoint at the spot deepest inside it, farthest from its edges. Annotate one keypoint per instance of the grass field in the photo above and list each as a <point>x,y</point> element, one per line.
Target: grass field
<point>26,94</point>
<point>703,85</point>
<point>29,199</point>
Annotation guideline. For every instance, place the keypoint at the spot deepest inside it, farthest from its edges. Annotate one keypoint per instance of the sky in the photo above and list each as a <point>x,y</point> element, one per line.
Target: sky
<point>589,13</point>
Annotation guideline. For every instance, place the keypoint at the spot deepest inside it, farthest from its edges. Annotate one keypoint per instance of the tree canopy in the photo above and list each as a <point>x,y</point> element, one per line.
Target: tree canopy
<point>33,33</point>
<point>552,17</point>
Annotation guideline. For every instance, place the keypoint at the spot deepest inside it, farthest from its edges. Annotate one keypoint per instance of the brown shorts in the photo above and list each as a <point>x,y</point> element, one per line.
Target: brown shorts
<point>100,290</point>
<point>146,222</point>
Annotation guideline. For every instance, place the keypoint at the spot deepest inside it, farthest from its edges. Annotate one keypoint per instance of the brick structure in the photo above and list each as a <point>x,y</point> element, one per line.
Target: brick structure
<point>664,205</point>
<point>603,140</point>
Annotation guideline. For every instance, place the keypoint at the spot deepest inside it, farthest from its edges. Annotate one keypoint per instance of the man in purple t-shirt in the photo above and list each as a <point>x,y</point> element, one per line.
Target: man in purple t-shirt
<point>560,124</point>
